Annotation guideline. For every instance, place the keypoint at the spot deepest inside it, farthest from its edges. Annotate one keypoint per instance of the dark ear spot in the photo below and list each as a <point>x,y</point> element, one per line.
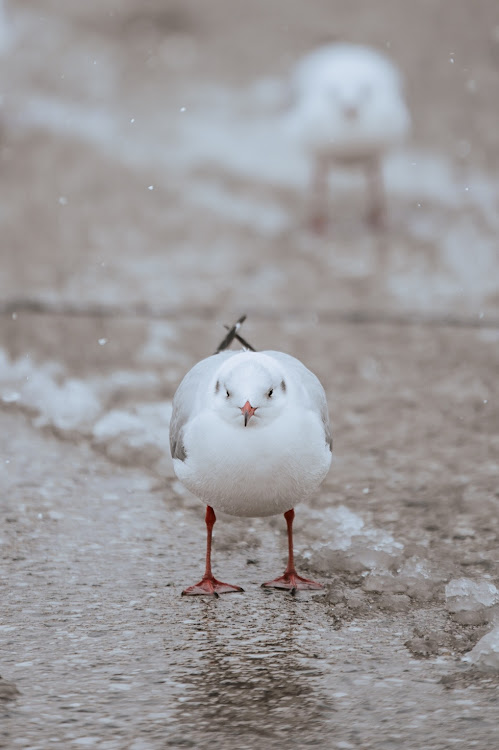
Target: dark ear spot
<point>283,386</point>
<point>217,386</point>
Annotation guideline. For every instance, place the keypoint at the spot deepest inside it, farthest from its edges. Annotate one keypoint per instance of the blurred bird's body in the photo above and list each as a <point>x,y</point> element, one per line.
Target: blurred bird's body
<point>348,110</point>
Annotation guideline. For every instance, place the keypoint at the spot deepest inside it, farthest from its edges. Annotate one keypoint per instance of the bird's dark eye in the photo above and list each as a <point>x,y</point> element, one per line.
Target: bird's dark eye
<point>269,394</point>
<point>227,392</point>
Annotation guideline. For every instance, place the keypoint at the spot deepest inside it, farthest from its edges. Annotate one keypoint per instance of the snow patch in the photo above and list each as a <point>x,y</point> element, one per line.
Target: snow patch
<point>485,655</point>
<point>67,405</point>
<point>352,546</point>
<point>137,437</point>
<point>416,578</point>
<point>471,602</point>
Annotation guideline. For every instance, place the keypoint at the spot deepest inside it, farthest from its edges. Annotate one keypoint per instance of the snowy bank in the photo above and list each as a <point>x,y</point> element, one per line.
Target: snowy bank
<point>485,655</point>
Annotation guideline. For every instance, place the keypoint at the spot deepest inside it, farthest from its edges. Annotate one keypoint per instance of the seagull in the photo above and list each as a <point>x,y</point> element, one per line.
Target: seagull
<point>347,109</point>
<point>250,436</point>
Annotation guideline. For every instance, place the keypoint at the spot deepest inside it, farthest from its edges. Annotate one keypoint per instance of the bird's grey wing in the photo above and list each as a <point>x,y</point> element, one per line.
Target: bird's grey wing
<point>312,388</point>
<point>186,400</point>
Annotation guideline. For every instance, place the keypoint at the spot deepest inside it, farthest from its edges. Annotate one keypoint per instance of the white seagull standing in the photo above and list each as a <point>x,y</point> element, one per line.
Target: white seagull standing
<point>348,111</point>
<point>250,436</point>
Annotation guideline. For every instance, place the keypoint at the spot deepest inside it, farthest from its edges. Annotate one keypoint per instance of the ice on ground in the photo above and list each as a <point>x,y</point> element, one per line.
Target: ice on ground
<point>464,593</point>
<point>351,545</point>
<point>416,578</point>
<point>70,406</point>
<point>471,602</point>
<point>138,437</point>
<point>67,405</point>
<point>347,542</point>
<point>485,655</point>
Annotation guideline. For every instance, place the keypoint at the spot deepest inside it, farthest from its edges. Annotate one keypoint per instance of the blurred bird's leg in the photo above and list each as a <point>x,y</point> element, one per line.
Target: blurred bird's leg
<point>319,194</point>
<point>376,215</point>
<point>291,580</point>
<point>208,585</point>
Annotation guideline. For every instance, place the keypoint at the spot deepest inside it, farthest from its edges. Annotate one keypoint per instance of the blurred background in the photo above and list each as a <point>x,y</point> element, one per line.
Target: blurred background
<point>143,163</point>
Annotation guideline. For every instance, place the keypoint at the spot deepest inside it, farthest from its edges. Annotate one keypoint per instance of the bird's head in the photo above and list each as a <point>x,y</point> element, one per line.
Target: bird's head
<point>352,86</point>
<point>249,390</point>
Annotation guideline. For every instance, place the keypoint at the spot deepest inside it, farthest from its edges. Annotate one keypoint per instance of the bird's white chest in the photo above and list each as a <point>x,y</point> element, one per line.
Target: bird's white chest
<point>255,470</point>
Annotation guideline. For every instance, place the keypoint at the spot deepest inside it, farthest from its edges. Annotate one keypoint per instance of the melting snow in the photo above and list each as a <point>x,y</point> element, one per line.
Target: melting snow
<point>138,437</point>
<point>66,405</point>
<point>485,655</point>
<point>471,602</point>
<point>464,593</point>
<point>415,578</point>
<point>352,545</point>
<point>69,404</point>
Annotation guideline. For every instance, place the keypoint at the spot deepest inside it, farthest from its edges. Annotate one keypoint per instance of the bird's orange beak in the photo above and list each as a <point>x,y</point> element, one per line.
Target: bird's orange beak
<point>247,411</point>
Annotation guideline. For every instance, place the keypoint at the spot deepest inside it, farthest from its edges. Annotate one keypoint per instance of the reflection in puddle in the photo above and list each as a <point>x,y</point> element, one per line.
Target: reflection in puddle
<point>255,672</point>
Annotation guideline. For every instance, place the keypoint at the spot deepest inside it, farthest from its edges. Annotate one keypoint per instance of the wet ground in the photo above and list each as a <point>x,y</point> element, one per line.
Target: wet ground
<point>146,199</point>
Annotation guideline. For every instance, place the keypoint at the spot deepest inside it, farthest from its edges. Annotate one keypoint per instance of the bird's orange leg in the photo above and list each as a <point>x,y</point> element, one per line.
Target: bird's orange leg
<point>291,580</point>
<point>208,585</point>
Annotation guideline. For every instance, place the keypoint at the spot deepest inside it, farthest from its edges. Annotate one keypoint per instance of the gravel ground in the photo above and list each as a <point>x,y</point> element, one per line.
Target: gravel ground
<point>111,290</point>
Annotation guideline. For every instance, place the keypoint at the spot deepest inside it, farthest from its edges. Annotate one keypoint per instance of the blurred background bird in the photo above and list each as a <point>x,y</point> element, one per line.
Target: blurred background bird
<point>347,110</point>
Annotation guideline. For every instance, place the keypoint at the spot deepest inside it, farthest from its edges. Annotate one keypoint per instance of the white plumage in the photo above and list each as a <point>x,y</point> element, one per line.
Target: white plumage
<point>250,436</point>
<point>278,460</point>
<point>348,110</point>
